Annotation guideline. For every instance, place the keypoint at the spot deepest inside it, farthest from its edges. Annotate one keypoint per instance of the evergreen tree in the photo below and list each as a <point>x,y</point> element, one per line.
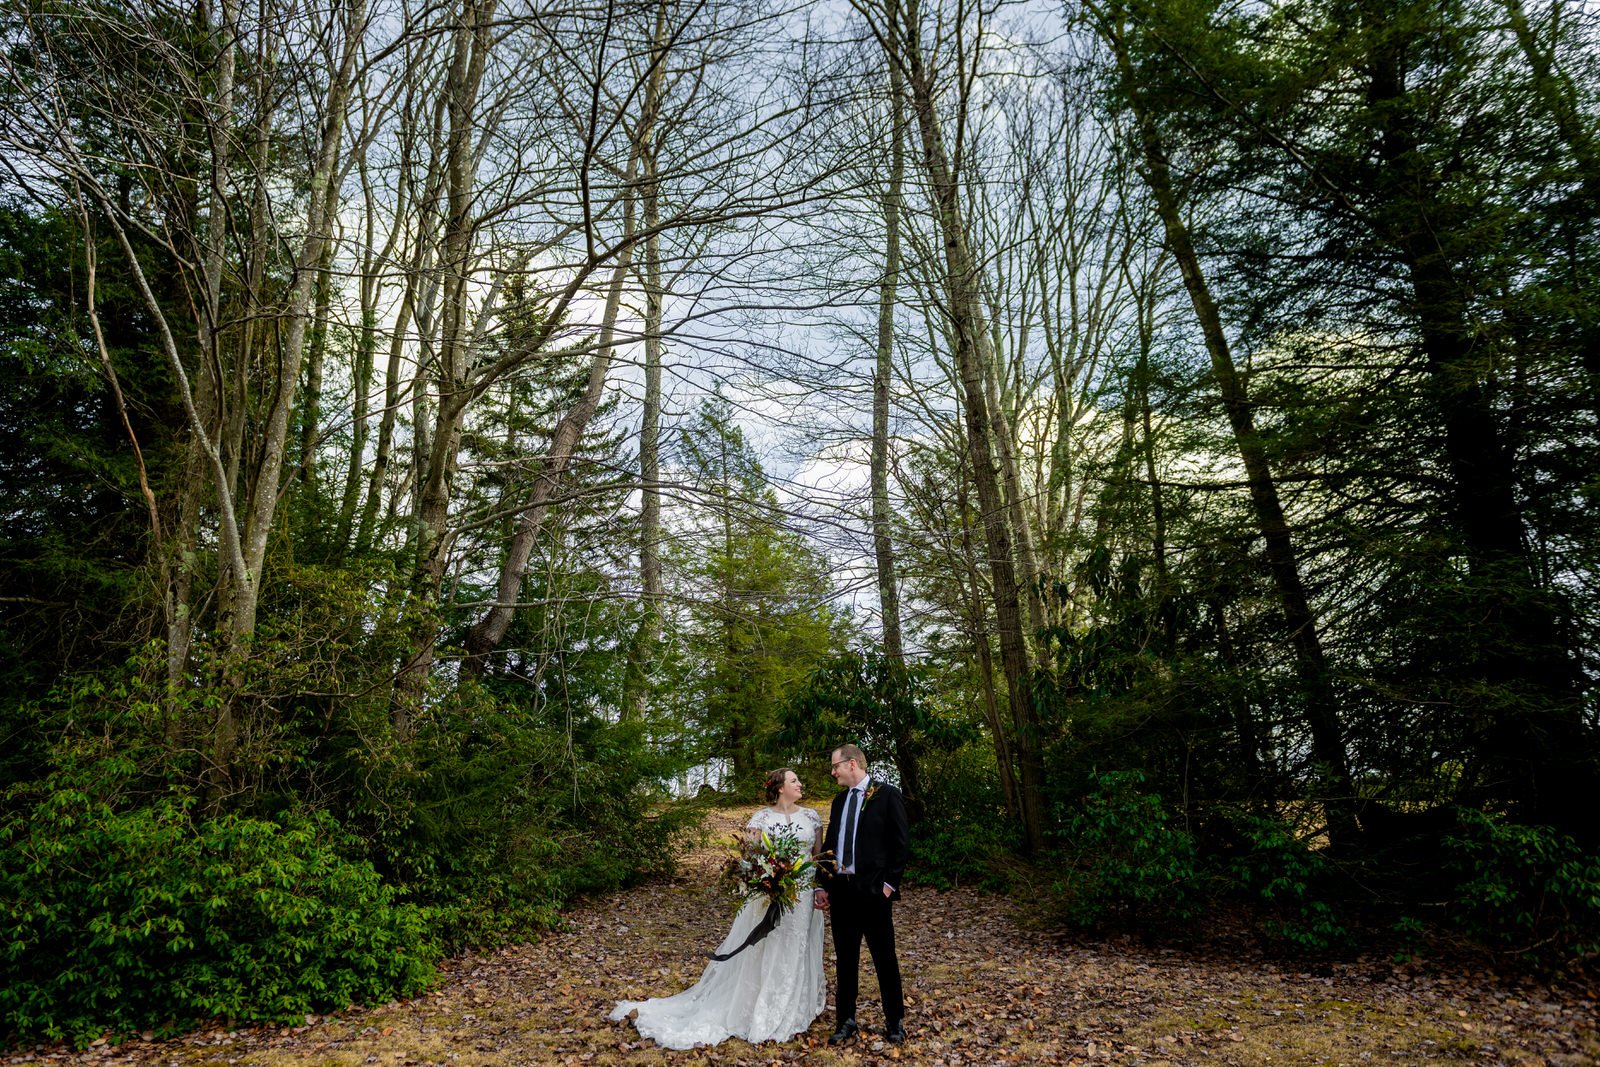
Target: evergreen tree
<point>1397,224</point>
<point>759,616</point>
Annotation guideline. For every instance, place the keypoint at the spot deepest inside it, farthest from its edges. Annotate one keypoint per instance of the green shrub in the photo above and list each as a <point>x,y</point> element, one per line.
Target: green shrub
<point>1277,868</point>
<point>1123,863</point>
<point>1527,889</point>
<point>1408,932</point>
<point>965,837</point>
<point>964,852</point>
<point>122,918</point>
<point>500,813</point>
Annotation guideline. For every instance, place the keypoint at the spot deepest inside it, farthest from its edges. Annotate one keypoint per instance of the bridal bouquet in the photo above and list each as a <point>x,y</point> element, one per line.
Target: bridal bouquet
<point>776,870</point>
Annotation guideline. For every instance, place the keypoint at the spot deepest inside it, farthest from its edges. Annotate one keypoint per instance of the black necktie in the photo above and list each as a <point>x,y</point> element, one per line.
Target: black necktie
<point>847,858</point>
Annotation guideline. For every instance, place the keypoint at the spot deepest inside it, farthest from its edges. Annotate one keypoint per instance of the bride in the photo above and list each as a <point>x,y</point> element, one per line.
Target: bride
<point>772,989</point>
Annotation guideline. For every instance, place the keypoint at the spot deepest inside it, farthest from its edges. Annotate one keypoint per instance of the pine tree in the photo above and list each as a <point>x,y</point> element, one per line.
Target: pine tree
<point>761,618</point>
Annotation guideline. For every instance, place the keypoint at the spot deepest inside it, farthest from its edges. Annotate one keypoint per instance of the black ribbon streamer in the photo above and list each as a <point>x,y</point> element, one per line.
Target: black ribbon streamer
<point>762,929</point>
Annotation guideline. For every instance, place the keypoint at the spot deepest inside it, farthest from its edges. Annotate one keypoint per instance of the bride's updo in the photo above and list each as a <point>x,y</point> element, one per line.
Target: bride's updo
<point>774,783</point>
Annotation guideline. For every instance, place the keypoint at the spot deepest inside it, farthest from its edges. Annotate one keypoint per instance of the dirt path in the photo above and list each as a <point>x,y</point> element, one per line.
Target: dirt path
<point>980,990</point>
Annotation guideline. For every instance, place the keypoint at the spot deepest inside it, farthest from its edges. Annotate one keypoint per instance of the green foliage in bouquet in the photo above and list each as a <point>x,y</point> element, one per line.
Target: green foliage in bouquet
<point>776,869</point>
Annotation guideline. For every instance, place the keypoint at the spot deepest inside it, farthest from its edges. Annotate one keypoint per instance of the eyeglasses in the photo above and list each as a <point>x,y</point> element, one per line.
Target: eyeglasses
<point>841,763</point>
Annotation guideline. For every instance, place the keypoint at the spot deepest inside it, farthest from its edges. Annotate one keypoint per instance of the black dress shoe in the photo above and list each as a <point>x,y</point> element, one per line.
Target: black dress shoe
<point>896,1033</point>
<point>847,1030</point>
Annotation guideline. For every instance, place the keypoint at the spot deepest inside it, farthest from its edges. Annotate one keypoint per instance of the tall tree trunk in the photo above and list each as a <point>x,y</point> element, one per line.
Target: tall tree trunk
<point>320,214</point>
<point>383,453</point>
<point>472,37</point>
<point>186,530</point>
<point>486,635</point>
<point>1322,714</point>
<point>882,541</point>
<point>739,733</point>
<point>240,374</point>
<point>1017,512</point>
<point>1166,610</point>
<point>1536,738</point>
<point>241,588</point>
<point>651,587</point>
<point>361,416</point>
<point>411,215</point>
<point>646,640</point>
<point>965,308</point>
<point>882,515</point>
<point>978,628</point>
<point>312,405</point>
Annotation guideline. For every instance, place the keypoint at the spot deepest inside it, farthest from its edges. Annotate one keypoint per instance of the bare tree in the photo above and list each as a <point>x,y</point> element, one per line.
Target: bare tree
<point>109,144</point>
<point>900,30</point>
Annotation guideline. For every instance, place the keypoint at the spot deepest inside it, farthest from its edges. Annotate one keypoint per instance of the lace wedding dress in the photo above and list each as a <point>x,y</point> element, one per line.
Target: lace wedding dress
<point>768,992</point>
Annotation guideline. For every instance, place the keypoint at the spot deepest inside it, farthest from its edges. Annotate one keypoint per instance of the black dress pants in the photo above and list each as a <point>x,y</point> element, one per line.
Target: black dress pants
<point>856,915</point>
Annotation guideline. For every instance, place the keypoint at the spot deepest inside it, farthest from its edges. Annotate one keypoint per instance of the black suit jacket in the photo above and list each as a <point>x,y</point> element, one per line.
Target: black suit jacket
<point>882,840</point>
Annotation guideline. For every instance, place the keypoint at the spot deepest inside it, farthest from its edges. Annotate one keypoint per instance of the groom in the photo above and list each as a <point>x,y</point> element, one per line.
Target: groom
<point>868,840</point>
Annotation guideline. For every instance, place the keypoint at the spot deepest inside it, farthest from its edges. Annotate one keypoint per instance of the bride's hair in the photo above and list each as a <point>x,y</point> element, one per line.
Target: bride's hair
<point>774,783</point>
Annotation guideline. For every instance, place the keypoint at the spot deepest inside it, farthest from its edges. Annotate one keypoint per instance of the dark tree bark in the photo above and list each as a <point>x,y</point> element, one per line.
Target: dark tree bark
<point>1535,737</point>
<point>882,516</point>
<point>1311,666</point>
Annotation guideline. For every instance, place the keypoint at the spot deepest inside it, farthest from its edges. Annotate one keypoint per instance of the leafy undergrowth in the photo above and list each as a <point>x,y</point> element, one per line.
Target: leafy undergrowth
<point>981,990</point>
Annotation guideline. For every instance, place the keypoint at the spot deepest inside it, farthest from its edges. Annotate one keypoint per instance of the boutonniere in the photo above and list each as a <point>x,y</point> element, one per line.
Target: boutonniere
<point>872,791</point>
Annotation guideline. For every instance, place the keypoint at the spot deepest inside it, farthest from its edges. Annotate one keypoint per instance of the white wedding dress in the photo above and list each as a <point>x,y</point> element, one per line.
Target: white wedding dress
<point>768,992</point>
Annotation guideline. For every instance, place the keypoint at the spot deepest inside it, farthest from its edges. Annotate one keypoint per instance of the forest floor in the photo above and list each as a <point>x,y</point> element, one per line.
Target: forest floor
<point>982,988</point>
